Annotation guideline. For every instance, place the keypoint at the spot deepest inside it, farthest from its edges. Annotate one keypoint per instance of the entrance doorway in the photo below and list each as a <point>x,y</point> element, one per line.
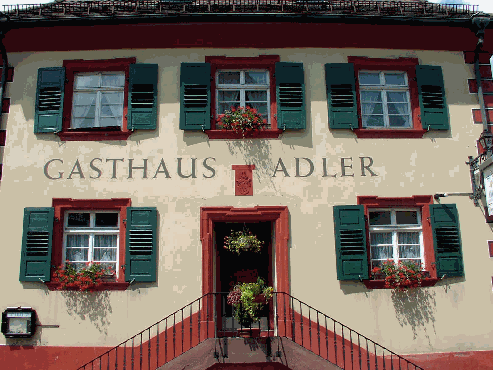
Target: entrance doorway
<point>246,267</point>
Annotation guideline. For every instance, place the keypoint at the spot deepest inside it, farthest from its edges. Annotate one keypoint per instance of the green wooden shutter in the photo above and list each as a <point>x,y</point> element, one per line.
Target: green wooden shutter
<point>433,107</point>
<point>49,100</point>
<point>350,239</point>
<point>141,245</point>
<point>37,239</point>
<point>341,95</point>
<point>195,96</point>
<point>143,96</point>
<point>447,242</point>
<point>290,95</point>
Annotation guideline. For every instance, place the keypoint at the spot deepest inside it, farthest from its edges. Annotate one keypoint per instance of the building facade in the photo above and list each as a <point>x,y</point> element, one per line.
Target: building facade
<point>114,153</point>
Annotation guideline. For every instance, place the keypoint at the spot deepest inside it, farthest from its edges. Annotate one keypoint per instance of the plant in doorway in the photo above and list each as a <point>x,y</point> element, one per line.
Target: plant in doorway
<point>242,241</point>
<point>248,299</point>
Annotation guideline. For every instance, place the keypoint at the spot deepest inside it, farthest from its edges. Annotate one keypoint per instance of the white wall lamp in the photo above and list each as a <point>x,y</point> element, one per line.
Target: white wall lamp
<point>18,322</point>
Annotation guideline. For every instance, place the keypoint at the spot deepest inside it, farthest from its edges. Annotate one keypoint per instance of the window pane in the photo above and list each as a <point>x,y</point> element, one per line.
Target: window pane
<point>77,240</point>
<point>398,108</point>
<point>112,98</point>
<point>373,121</point>
<point>371,96</point>
<point>382,252</point>
<point>76,255</point>
<point>78,220</point>
<point>256,95</point>
<point>396,96</point>
<point>372,108</point>
<point>110,122</point>
<point>380,217</point>
<point>408,238</point>
<point>106,220</point>
<point>229,78</point>
<point>84,112</point>
<point>105,240</point>
<point>111,111</point>
<point>109,266</point>
<point>113,80</point>
<point>369,78</point>
<point>84,99</point>
<point>222,107</point>
<point>87,81</point>
<point>105,255</point>
<point>256,77</point>
<point>229,95</point>
<point>395,79</point>
<point>399,121</point>
<point>406,217</point>
<point>409,252</point>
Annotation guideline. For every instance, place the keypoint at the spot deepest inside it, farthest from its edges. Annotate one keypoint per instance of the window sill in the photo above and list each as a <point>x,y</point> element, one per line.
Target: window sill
<point>94,135</point>
<point>228,134</point>
<point>379,284</point>
<point>390,133</point>
<point>106,286</point>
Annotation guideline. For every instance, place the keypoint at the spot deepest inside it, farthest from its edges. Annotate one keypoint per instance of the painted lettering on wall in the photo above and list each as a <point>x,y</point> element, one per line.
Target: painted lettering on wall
<point>129,168</point>
<point>342,167</point>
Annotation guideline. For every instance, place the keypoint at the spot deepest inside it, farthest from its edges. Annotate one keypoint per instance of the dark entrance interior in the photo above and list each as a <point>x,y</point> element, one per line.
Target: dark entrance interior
<point>232,268</point>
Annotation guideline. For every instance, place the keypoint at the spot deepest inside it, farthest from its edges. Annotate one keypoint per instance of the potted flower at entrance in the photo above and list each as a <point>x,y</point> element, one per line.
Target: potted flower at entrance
<point>242,241</point>
<point>248,299</point>
<point>241,120</point>
<point>401,276</point>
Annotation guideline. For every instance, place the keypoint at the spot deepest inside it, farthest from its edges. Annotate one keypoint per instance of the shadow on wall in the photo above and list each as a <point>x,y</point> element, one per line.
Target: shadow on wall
<point>415,308</point>
<point>92,306</point>
<point>255,152</point>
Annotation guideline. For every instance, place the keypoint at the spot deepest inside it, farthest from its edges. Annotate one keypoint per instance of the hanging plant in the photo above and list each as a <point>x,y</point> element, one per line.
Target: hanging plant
<point>242,241</point>
<point>242,120</point>
<point>400,276</point>
<point>87,278</point>
<point>248,299</point>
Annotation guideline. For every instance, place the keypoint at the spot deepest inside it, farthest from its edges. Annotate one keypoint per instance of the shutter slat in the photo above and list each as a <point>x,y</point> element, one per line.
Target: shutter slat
<point>341,95</point>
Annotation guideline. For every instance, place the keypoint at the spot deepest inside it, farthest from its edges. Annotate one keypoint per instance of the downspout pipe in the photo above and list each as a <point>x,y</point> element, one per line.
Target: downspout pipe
<point>5,60</point>
<point>480,23</point>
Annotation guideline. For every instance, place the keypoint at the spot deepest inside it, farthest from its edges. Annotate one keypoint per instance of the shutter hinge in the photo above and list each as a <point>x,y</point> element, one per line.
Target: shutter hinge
<point>131,281</point>
<point>351,128</point>
<point>41,280</point>
<point>203,128</point>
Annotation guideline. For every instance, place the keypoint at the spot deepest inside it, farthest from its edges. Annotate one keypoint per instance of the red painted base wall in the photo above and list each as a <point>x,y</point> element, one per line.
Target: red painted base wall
<point>69,358</point>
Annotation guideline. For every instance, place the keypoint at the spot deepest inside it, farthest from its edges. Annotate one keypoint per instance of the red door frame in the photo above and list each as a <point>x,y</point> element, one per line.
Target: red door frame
<point>210,215</point>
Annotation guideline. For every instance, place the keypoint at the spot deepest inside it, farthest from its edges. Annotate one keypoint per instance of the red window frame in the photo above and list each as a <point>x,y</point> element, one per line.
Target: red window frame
<point>416,202</point>
<point>63,205</point>
<point>407,65</point>
<point>266,62</point>
<point>77,66</point>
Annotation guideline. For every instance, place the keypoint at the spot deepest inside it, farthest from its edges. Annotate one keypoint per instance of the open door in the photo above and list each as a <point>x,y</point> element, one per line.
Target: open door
<point>233,268</point>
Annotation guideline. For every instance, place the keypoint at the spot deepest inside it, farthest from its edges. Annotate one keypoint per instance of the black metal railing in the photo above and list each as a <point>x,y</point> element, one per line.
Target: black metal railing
<point>159,8</point>
<point>284,317</point>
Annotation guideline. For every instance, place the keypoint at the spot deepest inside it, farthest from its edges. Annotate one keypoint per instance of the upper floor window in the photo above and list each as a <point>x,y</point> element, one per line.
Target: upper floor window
<point>98,100</point>
<point>275,89</point>
<point>244,88</point>
<point>384,99</point>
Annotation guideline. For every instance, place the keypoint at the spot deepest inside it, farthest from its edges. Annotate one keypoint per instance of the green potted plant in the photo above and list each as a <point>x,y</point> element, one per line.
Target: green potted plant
<point>87,278</point>
<point>248,299</point>
<point>242,241</point>
<point>401,276</point>
<point>242,120</point>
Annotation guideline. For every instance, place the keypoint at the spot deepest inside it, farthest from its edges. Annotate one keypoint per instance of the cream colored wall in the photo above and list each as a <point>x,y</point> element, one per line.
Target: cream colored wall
<point>454,315</point>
